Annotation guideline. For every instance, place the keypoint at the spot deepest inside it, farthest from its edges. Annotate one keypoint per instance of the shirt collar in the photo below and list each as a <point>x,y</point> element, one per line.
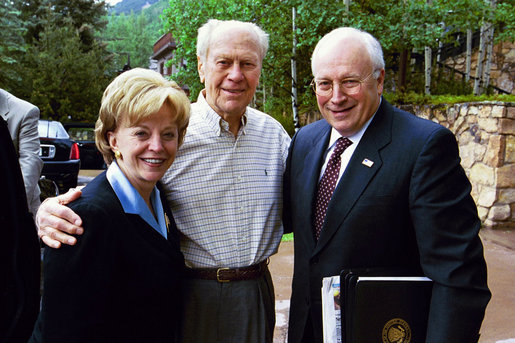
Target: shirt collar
<point>133,203</point>
<point>213,119</point>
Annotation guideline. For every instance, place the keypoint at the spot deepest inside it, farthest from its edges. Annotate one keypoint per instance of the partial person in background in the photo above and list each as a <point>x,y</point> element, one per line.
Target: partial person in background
<point>22,121</point>
<point>401,199</point>
<point>225,190</point>
<point>20,254</point>
<point>122,281</point>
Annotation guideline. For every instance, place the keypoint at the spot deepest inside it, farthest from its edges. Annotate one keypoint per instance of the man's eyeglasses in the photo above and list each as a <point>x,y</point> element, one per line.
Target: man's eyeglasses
<point>349,86</point>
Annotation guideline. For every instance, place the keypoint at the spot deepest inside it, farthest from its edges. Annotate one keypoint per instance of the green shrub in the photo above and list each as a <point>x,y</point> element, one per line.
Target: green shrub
<point>423,99</point>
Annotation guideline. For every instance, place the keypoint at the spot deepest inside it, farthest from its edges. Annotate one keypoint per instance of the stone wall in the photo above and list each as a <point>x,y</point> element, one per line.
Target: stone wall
<point>502,70</point>
<point>485,134</point>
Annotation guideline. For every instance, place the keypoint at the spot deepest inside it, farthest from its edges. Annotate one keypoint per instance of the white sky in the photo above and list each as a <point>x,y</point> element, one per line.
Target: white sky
<point>112,2</point>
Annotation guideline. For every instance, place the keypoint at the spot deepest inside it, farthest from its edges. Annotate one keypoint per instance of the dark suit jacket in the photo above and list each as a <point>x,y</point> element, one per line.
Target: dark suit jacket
<point>411,209</point>
<point>120,283</point>
<point>20,254</point>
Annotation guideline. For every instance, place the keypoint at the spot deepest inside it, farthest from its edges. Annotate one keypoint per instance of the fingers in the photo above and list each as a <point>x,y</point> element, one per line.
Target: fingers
<point>57,222</point>
<point>50,242</point>
<point>55,215</point>
<point>53,238</point>
<point>62,219</point>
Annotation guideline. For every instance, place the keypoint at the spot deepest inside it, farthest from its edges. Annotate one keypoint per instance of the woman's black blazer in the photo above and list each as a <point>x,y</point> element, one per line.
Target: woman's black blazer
<point>119,283</point>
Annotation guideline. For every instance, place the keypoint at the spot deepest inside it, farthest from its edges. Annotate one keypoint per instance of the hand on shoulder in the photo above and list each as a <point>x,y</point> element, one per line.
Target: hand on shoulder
<point>56,222</point>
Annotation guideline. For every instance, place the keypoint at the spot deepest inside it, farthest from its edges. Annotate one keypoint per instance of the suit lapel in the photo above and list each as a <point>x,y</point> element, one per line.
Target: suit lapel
<point>104,188</point>
<point>358,174</point>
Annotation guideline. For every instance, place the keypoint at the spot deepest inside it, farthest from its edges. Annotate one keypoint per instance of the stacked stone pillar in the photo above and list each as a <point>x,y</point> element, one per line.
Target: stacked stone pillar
<point>485,134</point>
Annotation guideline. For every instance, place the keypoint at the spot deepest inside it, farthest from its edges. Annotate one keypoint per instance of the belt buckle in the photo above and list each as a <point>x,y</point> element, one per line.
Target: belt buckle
<point>218,275</point>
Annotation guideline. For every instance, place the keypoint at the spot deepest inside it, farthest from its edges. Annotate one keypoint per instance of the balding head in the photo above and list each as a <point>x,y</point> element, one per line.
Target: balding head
<point>346,35</point>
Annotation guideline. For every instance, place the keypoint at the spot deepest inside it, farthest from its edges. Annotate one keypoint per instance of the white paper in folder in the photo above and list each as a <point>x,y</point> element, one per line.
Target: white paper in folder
<point>331,313</point>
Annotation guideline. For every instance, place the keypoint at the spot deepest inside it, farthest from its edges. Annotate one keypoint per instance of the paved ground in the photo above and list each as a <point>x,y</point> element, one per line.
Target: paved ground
<point>499,323</point>
<point>281,268</point>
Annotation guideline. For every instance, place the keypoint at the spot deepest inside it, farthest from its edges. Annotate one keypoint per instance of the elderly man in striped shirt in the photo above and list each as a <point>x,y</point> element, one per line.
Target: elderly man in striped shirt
<point>225,192</point>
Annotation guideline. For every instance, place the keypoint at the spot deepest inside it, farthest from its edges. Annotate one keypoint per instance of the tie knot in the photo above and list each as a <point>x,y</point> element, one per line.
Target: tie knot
<point>341,144</point>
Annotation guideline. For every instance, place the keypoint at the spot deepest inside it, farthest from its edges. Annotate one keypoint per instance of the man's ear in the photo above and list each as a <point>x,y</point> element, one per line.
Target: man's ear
<point>380,82</point>
<point>200,68</point>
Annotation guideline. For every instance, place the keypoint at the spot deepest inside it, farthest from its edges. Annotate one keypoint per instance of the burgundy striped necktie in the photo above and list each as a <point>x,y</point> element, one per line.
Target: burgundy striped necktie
<point>328,183</point>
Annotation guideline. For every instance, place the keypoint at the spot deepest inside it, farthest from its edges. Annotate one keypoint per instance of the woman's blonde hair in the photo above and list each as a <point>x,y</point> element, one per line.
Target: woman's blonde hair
<point>133,96</point>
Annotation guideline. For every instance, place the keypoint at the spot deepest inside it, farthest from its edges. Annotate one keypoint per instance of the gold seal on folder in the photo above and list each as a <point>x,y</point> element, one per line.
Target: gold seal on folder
<point>396,331</point>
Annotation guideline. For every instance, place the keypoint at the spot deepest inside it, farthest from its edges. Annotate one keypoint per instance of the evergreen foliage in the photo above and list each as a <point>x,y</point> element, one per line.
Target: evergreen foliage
<point>67,83</point>
<point>132,36</point>
<point>65,68</point>
<point>88,16</point>
<point>12,45</point>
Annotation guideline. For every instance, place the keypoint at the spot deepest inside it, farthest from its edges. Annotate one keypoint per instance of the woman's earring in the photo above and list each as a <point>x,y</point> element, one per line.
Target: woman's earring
<point>118,155</point>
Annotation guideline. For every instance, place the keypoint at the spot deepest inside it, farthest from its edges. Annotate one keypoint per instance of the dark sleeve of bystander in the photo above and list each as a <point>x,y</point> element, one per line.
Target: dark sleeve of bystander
<point>20,253</point>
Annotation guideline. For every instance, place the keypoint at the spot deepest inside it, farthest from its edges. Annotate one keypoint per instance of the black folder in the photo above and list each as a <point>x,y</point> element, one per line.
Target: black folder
<point>384,307</point>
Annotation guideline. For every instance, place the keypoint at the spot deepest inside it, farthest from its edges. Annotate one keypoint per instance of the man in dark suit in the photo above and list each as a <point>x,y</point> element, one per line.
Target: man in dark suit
<point>20,255</point>
<point>401,198</point>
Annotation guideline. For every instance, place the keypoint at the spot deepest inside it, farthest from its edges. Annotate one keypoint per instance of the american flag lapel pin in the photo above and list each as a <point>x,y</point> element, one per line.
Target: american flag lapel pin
<point>367,163</point>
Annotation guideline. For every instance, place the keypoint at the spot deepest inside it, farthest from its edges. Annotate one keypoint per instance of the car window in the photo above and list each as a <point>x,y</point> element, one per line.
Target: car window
<point>82,133</point>
<point>52,129</point>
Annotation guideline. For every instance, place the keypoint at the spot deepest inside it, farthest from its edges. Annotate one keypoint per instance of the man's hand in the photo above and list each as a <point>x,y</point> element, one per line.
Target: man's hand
<point>56,222</point>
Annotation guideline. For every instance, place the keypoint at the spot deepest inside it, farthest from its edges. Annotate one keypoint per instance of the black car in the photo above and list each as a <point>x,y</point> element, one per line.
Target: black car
<point>60,155</point>
<point>84,135</point>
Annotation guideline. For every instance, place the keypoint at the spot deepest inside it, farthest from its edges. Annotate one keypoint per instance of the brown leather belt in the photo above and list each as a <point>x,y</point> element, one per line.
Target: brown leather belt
<point>228,274</point>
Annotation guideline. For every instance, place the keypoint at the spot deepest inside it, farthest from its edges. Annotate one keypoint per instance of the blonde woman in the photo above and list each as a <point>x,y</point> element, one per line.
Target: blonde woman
<point>120,282</point>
